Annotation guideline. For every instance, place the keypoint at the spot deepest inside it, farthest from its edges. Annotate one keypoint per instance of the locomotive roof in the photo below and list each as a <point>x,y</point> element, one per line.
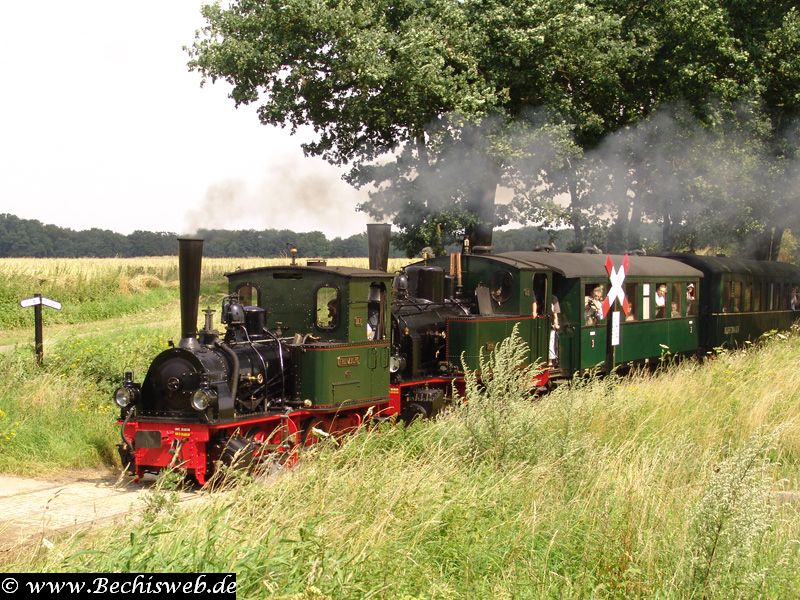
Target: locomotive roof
<point>594,265</point>
<point>718,265</point>
<point>346,272</point>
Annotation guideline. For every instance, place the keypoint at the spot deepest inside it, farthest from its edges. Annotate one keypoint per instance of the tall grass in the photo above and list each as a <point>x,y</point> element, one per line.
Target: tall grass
<point>654,486</point>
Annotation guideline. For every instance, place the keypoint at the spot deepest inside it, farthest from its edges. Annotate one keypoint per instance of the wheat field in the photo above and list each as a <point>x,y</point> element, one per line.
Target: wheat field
<point>67,270</point>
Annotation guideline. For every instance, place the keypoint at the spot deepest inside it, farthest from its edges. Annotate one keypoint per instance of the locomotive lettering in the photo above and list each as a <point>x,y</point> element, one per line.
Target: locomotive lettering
<point>348,361</point>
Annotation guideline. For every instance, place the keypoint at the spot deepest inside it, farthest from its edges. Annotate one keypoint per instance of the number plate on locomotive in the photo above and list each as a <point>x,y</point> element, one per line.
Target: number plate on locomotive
<point>348,361</point>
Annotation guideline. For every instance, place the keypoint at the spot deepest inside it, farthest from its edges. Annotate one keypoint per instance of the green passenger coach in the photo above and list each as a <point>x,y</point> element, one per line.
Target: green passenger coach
<point>549,293</point>
<point>743,298</point>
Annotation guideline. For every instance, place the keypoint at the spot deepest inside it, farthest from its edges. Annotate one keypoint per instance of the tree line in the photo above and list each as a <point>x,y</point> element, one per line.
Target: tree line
<point>603,117</point>
<point>31,238</point>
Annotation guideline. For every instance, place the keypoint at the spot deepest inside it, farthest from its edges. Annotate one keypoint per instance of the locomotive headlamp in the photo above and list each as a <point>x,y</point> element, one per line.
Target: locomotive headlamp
<point>203,398</point>
<point>396,363</point>
<point>123,397</point>
<point>129,392</point>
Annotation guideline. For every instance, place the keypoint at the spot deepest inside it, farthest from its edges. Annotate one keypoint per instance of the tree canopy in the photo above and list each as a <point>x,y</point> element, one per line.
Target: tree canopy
<point>601,116</point>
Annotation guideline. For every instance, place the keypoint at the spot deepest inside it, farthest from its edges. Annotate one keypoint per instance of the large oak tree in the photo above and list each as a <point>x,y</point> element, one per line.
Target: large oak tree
<point>438,102</point>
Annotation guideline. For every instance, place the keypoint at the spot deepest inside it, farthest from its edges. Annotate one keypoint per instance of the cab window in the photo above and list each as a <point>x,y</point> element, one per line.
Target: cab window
<point>376,311</point>
<point>328,307</point>
<point>249,295</point>
<point>502,282</point>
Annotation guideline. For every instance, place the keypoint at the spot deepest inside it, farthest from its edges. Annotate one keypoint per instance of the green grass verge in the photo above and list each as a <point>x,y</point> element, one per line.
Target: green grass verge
<point>61,415</point>
<point>653,486</point>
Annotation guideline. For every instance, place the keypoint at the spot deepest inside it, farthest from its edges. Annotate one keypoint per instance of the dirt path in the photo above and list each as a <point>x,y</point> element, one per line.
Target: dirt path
<point>33,509</point>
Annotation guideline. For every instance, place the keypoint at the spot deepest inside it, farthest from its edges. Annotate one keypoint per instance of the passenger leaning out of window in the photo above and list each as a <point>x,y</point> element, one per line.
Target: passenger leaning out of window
<point>661,300</point>
<point>594,306</point>
<point>690,299</point>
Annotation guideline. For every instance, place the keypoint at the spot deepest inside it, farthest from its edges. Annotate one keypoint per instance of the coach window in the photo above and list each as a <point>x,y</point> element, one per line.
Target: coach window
<point>747,304</point>
<point>758,292</point>
<point>249,295</point>
<point>691,299</point>
<point>630,296</point>
<point>661,300</point>
<point>646,289</point>
<point>733,301</point>
<point>328,307</point>
<point>502,282</point>
<point>676,301</point>
<point>376,311</point>
<point>593,303</point>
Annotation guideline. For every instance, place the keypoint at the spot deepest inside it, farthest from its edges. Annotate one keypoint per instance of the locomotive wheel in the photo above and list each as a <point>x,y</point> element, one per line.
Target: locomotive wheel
<point>413,411</point>
<point>273,449</point>
<point>239,452</point>
<point>310,437</point>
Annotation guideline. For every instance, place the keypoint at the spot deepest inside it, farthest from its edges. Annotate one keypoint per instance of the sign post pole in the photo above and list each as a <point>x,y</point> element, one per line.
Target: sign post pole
<point>37,329</point>
<point>37,301</point>
<point>609,345</point>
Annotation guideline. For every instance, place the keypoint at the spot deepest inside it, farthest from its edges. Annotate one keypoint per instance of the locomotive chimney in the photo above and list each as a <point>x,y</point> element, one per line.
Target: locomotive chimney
<point>378,238</point>
<point>481,238</point>
<point>190,258</point>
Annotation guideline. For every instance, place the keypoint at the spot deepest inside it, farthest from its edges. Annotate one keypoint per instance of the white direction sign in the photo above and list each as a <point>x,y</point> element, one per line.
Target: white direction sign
<point>40,300</point>
<point>615,328</point>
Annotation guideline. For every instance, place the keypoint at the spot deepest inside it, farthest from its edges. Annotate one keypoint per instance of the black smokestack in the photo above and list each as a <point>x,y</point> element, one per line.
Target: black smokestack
<point>480,234</point>
<point>378,237</point>
<point>480,238</point>
<point>190,258</point>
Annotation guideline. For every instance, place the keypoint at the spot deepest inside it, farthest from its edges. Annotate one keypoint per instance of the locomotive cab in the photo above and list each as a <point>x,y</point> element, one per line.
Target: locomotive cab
<point>336,323</point>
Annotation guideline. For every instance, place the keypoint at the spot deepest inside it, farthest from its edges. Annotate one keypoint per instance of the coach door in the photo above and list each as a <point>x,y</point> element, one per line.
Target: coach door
<point>542,310</point>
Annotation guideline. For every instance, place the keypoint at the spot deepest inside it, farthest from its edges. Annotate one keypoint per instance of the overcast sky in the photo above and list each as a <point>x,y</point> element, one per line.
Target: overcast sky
<point>102,125</point>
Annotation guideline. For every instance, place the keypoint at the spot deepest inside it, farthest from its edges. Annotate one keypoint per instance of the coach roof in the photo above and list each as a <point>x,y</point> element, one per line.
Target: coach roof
<point>346,272</point>
<point>594,265</point>
<point>742,266</point>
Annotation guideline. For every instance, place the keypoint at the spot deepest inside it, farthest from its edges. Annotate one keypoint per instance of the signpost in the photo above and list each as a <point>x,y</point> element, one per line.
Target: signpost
<point>37,302</point>
<point>614,299</point>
